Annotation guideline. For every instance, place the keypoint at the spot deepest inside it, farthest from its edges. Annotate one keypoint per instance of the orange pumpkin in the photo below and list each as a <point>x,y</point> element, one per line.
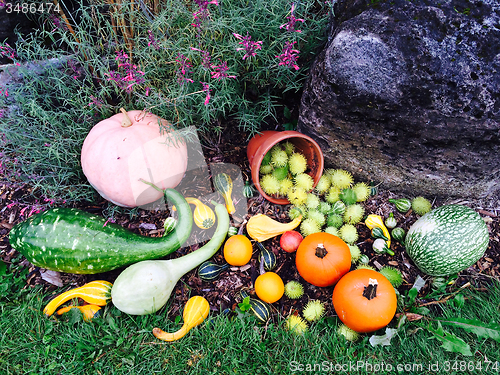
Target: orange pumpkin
<point>364,300</point>
<point>322,259</point>
<point>130,146</point>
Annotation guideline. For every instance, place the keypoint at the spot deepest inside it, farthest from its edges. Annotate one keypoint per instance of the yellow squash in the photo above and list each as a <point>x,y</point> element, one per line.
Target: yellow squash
<point>203,216</point>
<point>88,311</point>
<point>376,221</point>
<point>195,312</point>
<point>261,227</point>
<point>96,292</point>
<point>224,185</point>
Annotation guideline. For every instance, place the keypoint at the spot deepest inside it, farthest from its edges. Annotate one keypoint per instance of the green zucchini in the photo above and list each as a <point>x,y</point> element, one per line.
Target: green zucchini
<point>75,241</point>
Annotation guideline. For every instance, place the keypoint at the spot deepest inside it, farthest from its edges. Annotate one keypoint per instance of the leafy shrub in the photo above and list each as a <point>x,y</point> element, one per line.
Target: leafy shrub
<point>194,62</point>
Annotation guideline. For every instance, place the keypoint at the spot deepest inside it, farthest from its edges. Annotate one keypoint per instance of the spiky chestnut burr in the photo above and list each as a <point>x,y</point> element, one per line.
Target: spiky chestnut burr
<point>354,213</point>
<point>297,163</point>
<point>355,253</point>
<point>362,191</point>
<point>279,158</point>
<point>270,184</point>
<point>341,178</point>
<point>295,324</point>
<point>348,333</point>
<point>312,201</point>
<point>332,230</point>
<point>314,310</point>
<point>348,233</point>
<point>393,275</point>
<point>294,289</point>
<point>421,205</point>
<point>309,226</point>
<point>297,196</point>
<point>303,180</point>
<point>324,184</point>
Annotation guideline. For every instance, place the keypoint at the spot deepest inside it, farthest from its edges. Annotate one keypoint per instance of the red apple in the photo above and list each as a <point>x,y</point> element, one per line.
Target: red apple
<point>290,241</point>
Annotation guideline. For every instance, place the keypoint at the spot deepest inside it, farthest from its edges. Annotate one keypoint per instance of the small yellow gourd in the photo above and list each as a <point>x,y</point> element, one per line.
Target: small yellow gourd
<point>96,292</point>
<point>88,311</point>
<point>376,221</point>
<point>261,227</point>
<point>195,312</point>
<point>203,216</point>
<point>224,185</point>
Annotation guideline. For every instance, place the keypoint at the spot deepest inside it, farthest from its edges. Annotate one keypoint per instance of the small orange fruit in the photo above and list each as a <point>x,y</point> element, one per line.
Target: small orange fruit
<point>238,250</point>
<point>269,287</point>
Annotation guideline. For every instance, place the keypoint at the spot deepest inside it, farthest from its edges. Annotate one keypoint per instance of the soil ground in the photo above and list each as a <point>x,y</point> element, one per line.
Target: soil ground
<point>223,293</point>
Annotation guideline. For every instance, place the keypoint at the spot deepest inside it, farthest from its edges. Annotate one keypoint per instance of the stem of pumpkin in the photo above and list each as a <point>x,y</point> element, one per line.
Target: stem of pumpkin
<point>370,291</point>
<point>126,121</point>
<point>321,251</point>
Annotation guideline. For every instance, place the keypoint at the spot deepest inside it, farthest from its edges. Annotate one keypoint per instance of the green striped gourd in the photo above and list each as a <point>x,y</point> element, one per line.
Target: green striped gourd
<point>209,270</point>
<point>259,308</point>
<point>267,257</point>
<point>447,240</point>
<point>402,205</point>
<point>224,185</point>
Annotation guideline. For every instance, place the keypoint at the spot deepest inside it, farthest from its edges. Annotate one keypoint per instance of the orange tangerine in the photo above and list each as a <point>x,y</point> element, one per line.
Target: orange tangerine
<point>269,287</point>
<point>238,250</point>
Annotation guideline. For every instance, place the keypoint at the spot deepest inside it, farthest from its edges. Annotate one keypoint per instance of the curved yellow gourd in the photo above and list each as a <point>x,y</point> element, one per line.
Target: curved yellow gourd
<point>224,185</point>
<point>261,227</point>
<point>203,216</point>
<point>195,312</point>
<point>96,292</point>
<point>373,221</point>
<point>88,311</point>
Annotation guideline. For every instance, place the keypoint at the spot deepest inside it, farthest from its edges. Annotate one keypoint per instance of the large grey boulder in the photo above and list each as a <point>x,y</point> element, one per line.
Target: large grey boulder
<point>407,93</point>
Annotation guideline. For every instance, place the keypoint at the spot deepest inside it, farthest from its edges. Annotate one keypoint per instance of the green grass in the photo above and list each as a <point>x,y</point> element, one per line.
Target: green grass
<point>116,343</point>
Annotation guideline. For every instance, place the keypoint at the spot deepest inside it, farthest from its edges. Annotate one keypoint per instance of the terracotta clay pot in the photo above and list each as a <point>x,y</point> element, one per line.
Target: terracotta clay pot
<point>261,143</point>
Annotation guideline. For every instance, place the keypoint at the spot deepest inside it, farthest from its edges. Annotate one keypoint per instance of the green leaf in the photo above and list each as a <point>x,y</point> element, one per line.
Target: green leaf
<point>450,342</point>
<point>3,268</point>
<point>459,300</point>
<point>287,113</point>
<point>245,305</point>
<point>484,330</point>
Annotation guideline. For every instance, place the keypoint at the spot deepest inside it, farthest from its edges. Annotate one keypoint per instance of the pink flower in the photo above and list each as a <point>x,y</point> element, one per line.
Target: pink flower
<point>152,41</point>
<point>289,56</point>
<point>220,71</point>
<point>248,45</point>
<point>184,69</point>
<point>206,57</point>
<point>133,75</point>
<point>202,13</point>
<point>290,25</point>
<point>207,91</point>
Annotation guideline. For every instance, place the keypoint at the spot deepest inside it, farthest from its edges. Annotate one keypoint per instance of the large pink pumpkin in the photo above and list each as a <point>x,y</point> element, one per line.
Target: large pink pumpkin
<point>127,147</point>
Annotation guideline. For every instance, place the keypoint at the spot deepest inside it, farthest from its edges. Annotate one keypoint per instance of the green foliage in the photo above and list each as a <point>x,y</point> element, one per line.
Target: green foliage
<point>70,80</point>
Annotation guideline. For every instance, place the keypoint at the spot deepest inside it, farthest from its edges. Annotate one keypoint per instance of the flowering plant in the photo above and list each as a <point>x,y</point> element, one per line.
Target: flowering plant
<point>191,62</point>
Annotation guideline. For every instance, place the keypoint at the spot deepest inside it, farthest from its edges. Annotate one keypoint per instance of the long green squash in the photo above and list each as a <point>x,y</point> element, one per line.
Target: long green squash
<point>74,241</point>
